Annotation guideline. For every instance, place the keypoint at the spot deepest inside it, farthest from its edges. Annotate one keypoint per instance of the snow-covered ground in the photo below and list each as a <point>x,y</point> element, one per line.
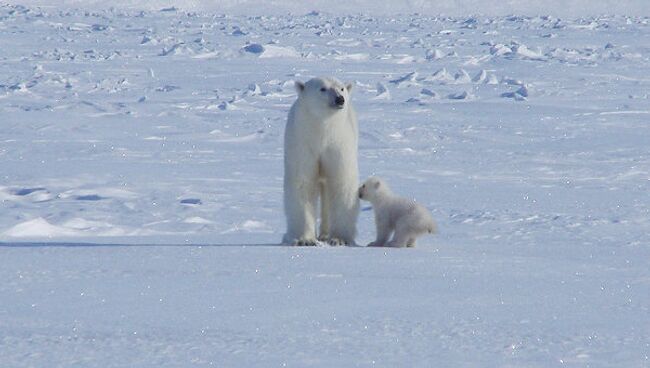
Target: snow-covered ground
<point>563,8</point>
<point>527,137</point>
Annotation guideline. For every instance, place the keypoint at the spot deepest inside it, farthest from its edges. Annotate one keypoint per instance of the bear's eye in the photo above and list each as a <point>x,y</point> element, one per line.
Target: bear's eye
<point>363,186</point>
<point>341,89</point>
<point>323,89</point>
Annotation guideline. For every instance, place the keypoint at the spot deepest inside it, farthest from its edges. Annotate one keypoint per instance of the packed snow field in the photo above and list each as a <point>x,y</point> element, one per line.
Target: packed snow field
<point>158,134</point>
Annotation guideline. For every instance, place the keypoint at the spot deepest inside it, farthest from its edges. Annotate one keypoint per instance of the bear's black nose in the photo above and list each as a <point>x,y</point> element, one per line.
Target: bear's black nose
<point>339,100</point>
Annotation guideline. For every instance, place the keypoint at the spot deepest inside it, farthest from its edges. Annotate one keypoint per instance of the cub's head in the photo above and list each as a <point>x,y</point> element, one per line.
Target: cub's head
<point>373,189</point>
<point>324,95</point>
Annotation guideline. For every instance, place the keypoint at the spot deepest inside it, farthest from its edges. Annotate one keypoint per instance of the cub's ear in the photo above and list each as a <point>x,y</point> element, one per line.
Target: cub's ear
<point>349,87</point>
<point>300,87</point>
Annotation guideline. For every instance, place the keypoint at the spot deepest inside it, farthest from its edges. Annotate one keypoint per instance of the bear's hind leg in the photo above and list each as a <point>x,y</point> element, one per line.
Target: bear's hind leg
<point>403,235</point>
<point>398,241</point>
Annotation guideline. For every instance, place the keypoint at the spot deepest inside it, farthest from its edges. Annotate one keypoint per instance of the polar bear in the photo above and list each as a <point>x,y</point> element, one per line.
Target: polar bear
<point>405,217</point>
<point>320,161</point>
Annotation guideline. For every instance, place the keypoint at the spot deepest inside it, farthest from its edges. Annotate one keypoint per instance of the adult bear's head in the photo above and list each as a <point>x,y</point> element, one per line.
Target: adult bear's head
<point>324,95</point>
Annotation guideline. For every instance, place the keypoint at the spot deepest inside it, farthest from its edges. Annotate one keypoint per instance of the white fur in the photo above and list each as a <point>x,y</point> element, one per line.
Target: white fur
<point>406,218</point>
<point>320,161</point>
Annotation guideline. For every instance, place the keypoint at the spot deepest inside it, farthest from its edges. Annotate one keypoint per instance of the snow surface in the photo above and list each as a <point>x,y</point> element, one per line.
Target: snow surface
<point>527,138</point>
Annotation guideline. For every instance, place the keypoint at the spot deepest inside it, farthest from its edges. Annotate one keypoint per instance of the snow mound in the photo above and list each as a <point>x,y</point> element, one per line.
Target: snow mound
<point>440,76</point>
<point>271,51</point>
<point>405,80</point>
<point>434,54</point>
<point>382,92</point>
<point>39,228</point>
<point>254,48</point>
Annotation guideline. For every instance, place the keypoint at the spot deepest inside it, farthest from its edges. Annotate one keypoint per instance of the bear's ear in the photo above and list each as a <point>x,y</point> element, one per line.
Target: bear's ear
<point>300,87</point>
<point>349,87</point>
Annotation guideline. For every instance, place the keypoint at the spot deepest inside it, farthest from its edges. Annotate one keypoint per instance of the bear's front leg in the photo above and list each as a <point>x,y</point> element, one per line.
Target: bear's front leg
<point>343,210</point>
<point>336,242</point>
<point>305,242</point>
<point>382,224</point>
<point>300,202</point>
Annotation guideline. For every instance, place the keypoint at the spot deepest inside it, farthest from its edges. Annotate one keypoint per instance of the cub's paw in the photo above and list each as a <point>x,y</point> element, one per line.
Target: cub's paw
<point>305,242</point>
<point>375,244</point>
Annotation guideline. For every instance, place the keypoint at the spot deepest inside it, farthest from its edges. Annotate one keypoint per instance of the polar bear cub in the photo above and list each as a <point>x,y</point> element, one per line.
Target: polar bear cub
<point>406,218</point>
<point>320,164</point>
